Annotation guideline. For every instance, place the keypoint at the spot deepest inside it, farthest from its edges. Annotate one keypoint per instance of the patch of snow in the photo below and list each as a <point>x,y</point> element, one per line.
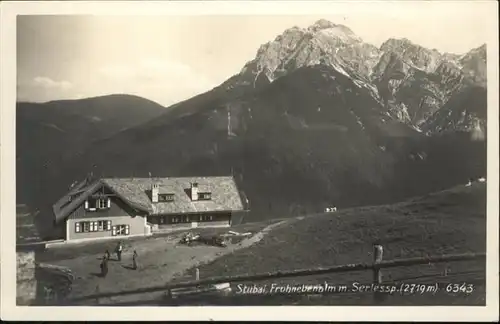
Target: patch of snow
<point>256,76</point>
<point>369,87</point>
<point>358,120</point>
<point>340,69</point>
<point>54,127</point>
<point>421,155</point>
<point>417,129</point>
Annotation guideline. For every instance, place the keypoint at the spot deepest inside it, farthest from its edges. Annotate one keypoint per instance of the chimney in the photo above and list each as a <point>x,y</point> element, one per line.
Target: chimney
<point>154,192</point>
<point>194,191</point>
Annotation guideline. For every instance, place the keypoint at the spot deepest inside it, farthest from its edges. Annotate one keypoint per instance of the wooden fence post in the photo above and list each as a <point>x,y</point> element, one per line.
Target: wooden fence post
<point>97,293</point>
<point>378,252</point>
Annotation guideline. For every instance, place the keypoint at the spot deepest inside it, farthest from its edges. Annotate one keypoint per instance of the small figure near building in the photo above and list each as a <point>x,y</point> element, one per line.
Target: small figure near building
<point>118,251</point>
<point>104,267</point>
<point>134,260</point>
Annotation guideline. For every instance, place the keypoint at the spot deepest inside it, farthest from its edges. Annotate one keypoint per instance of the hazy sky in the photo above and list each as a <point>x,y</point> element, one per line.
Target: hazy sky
<point>171,58</point>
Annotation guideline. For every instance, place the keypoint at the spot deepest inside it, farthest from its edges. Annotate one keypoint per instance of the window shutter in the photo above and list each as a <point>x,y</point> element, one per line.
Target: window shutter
<point>86,204</point>
<point>127,229</point>
<point>113,232</point>
<point>109,226</point>
<point>109,203</point>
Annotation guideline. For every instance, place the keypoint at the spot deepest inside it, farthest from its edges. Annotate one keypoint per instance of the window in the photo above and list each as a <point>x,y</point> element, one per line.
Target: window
<point>206,218</point>
<point>166,197</point>
<point>95,204</point>
<point>182,219</point>
<point>120,230</point>
<point>102,203</point>
<point>205,196</point>
<point>104,225</point>
<point>99,226</point>
<point>90,205</point>
<point>86,226</point>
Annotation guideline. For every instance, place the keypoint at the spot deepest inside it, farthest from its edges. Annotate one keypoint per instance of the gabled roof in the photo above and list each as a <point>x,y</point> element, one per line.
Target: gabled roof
<point>73,198</point>
<point>225,194</point>
<point>136,192</point>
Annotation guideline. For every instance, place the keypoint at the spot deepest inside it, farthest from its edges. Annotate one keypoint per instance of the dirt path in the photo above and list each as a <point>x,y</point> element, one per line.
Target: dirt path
<point>160,260</point>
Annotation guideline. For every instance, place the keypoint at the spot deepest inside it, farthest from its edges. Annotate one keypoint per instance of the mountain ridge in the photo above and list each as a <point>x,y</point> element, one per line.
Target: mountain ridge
<point>47,133</point>
<point>441,75</point>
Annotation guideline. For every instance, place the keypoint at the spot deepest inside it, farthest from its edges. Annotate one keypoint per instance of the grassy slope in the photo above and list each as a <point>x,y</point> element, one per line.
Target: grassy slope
<point>451,221</point>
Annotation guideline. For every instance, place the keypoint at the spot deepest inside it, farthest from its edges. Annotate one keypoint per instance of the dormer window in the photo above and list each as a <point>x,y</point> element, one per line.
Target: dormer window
<point>165,197</point>
<point>205,196</point>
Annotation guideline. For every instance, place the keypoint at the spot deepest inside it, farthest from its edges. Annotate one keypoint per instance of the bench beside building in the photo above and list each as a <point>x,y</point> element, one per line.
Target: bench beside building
<point>118,207</point>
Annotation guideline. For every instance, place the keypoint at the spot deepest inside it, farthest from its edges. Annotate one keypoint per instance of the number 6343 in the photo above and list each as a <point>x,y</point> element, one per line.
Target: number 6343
<point>460,288</point>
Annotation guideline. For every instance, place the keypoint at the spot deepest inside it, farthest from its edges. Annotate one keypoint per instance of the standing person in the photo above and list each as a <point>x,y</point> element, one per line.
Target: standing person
<point>107,255</point>
<point>118,251</point>
<point>134,260</point>
<point>105,270</point>
<point>104,267</point>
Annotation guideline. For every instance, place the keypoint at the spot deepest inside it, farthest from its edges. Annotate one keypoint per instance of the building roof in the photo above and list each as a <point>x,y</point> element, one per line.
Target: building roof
<point>136,192</point>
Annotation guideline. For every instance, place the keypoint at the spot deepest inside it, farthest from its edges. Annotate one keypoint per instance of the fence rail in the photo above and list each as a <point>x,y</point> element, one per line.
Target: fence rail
<point>376,266</point>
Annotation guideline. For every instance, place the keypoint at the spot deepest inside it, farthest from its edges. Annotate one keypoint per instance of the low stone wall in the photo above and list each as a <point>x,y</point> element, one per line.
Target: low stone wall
<point>40,284</point>
<point>25,279</point>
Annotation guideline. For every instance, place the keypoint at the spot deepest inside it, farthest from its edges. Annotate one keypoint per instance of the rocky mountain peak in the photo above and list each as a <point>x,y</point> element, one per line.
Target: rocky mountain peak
<point>411,81</point>
<point>413,54</point>
<point>333,30</point>
<point>323,42</point>
<point>321,24</point>
<point>474,65</point>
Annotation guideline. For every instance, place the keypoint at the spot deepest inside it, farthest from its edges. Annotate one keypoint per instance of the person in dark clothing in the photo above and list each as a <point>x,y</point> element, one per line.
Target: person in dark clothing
<point>107,255</point>
<point>104,267</point>
<point>118,251</point>
<point>134,260</point>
